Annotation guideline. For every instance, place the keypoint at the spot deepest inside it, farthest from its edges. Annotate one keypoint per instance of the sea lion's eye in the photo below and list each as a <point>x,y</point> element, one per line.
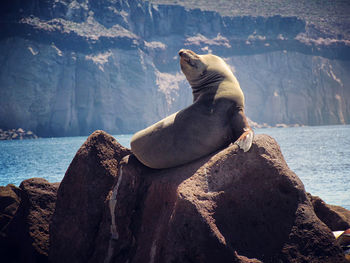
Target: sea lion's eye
<point>192,64</point>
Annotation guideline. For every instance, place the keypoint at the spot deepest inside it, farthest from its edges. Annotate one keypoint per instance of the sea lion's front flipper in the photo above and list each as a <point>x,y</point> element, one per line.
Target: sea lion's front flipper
<point>242,130</point>
<point>245,140</point>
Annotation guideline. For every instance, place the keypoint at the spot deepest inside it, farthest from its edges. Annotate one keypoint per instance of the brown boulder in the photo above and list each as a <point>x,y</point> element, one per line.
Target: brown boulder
<point>25,232</point>
<point>335,217</point>
<point>81,196</point>
<point>10,198</point>
<point>251,203</point>
<point>227,207</point>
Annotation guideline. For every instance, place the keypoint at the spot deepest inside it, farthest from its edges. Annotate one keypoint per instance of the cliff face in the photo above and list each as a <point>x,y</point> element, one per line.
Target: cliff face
<point>70,67</point>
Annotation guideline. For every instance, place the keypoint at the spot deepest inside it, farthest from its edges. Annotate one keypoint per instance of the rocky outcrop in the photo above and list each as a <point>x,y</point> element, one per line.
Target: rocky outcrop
<point>17,134</point>
<point>227,207</point>
<point>10,197</point>
<point>81,198</point>
<point>25,214</point>
<point>335,217</point>
<point>112,65</point>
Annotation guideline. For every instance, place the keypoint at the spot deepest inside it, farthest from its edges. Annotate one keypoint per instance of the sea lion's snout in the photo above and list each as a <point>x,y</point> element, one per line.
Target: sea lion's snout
<point>188,56</point>
<point>184,55</point>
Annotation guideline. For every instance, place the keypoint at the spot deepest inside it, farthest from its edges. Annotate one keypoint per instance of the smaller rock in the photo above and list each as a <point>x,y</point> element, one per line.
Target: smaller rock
<point>343,239</point>
<point>336,218</point>
<point>18,134</point>
<point>281,125</point>
<point>10,198</point>
<point>25,213</point>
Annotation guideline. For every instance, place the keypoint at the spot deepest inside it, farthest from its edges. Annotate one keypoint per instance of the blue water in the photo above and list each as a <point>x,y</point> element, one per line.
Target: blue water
<point>320,156</point>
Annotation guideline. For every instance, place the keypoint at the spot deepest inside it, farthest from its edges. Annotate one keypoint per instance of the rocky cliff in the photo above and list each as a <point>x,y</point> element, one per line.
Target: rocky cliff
<point>70,67</point>
<point>229,206</point>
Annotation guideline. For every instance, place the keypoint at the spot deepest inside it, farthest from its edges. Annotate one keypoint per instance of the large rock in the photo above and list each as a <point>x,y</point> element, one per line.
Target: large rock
<point>81,197</point>
<point>25,214</point>
<point>227,207</point>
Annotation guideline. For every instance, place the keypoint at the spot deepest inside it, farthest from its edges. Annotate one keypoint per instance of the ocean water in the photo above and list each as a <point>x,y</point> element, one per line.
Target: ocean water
<point>320,156</point>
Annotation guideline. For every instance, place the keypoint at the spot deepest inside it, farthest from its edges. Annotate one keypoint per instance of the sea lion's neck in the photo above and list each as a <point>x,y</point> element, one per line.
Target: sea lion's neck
<point>206,84</point>
<point>207,81</point>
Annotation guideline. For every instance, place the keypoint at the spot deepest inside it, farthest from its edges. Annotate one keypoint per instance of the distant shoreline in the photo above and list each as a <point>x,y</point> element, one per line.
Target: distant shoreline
<point>16,134</point>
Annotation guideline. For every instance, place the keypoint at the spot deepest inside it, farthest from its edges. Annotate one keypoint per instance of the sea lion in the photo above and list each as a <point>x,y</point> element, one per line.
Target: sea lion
<point>214,120</point>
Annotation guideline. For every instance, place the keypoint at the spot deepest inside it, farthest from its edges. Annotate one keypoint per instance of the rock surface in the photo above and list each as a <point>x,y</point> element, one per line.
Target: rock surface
<point>113,209</point>
<point>335,217</point>
<point>71,67</point>
<point>227,207</point>
<point>25,214</point>
<point>17,134</point>
<point>10,197</point>
<point>81,196</point>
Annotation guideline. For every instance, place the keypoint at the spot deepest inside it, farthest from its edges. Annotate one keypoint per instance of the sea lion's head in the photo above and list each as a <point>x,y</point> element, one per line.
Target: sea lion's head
<point>192,65</point>
<point>201,70</point>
